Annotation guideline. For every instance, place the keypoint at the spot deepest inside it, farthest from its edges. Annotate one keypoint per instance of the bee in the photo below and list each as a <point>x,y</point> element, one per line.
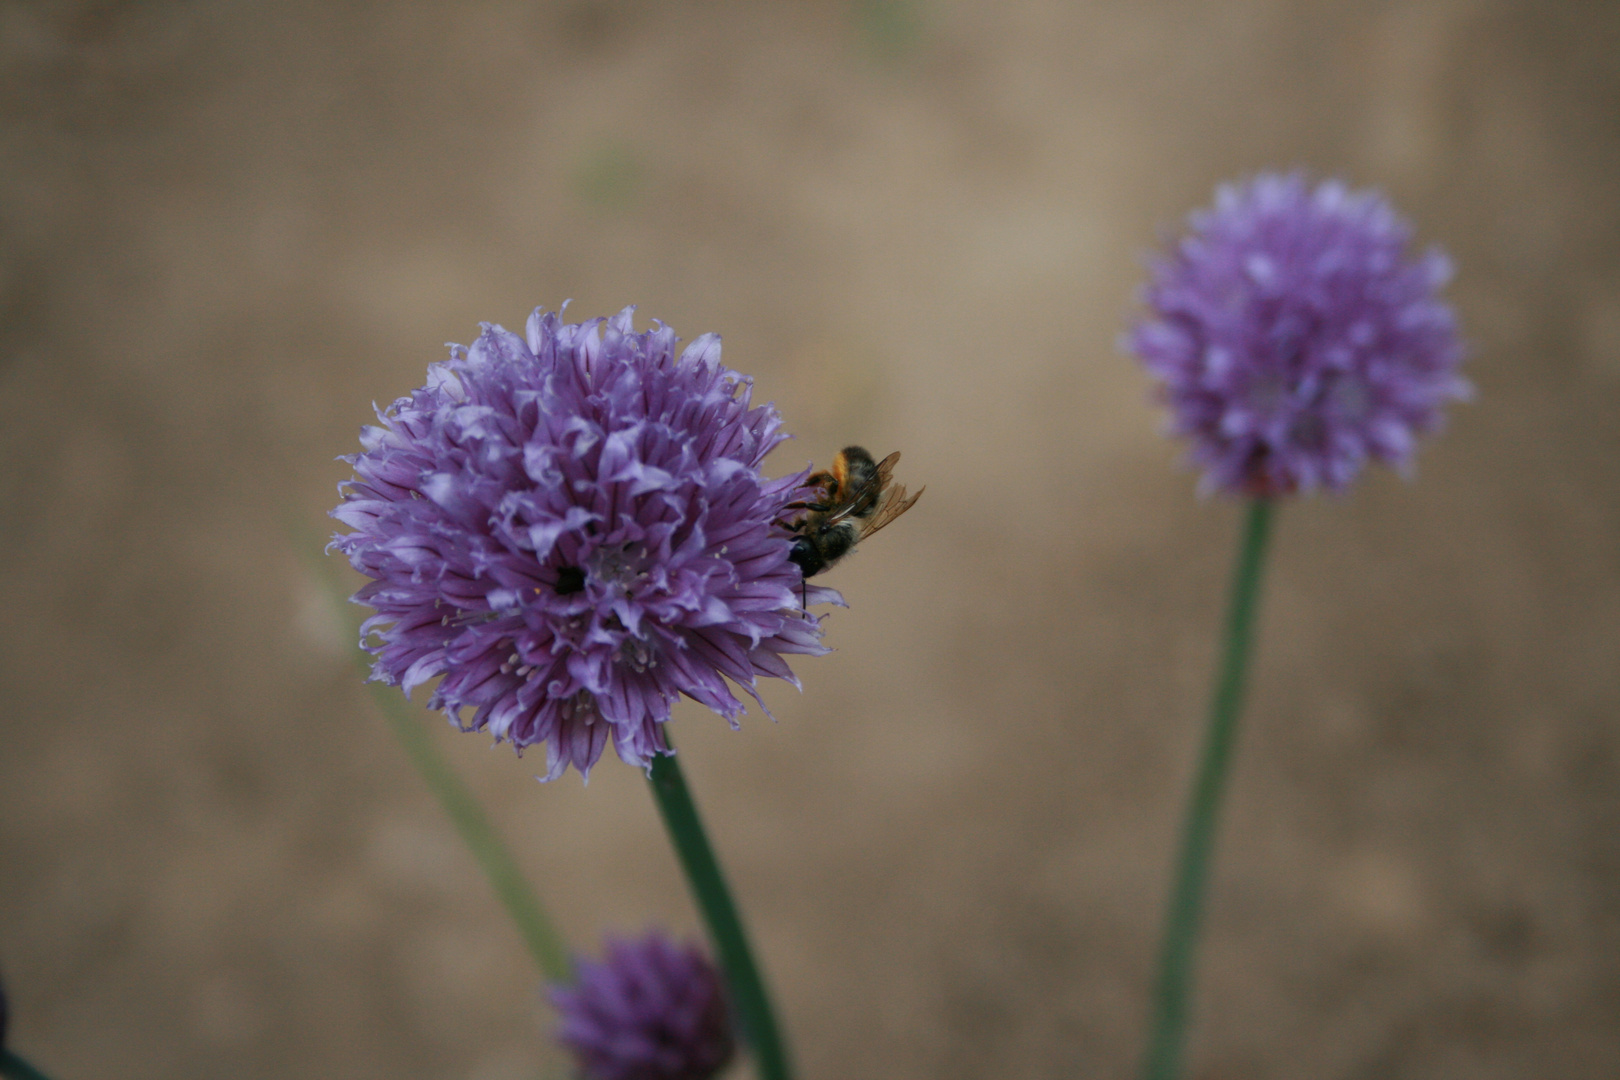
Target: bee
<point>858,497</point>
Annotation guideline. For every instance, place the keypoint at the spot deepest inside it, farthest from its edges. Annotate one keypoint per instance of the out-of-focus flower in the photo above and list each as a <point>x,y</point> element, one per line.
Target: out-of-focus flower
<point>573,531</point>
<point>1295,339</point>
<point>651,1010</point>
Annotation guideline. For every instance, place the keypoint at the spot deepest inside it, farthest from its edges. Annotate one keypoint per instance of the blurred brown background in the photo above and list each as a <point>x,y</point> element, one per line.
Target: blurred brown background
<point>226,228</point>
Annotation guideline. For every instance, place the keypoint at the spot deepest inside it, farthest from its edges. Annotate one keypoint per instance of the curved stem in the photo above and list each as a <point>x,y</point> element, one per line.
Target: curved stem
<point>1171,1000</point>
<point>748,995</point>
<point>465,812</point>
<point>461,806</point>
<point>15,1068</point>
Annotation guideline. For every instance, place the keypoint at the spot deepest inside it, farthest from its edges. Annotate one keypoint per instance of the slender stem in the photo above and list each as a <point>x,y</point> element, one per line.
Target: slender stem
<point>539,932</point>
<point>748,995</point>
<point>1171,1003</point>
<point>478,833</point>
<point>15,1068</point>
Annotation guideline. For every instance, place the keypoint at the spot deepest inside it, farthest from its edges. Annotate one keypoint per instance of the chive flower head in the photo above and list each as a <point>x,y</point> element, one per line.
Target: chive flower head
<point>650,1010</point>
<point>1294,338</point>
<point>570,530</point>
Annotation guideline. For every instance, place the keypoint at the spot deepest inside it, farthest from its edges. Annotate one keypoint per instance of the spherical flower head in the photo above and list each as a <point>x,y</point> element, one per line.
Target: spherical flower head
<point>572,531</point>
<point>651,1010</point>
<point>1294,338</point>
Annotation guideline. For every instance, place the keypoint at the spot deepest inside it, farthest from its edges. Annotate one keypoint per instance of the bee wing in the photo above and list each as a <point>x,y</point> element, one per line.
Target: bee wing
<point>848,502</point>
<point>892,505</point>
<point>868,493</point>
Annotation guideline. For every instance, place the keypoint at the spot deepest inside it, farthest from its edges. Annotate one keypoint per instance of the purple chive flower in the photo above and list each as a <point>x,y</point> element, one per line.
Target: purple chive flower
<point>651,1010</point>
<point>1294,338</point>
<point>572,530</point>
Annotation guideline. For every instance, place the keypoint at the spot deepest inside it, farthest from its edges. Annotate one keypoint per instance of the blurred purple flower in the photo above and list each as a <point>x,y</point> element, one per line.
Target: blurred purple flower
<point>1294,338</point>
<point>651,1010</point>
<point>573,531</point>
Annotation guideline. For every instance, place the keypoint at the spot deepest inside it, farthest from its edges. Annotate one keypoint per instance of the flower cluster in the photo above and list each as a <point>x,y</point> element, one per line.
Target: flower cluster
<point>572,530</point>
<point>651,1010</point>
<point>1294,338</point>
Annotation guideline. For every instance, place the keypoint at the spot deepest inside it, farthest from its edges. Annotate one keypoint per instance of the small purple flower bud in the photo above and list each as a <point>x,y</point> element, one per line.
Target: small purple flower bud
<point>571,531</point>
<point>651,1010</point>
<point>1294,339</point>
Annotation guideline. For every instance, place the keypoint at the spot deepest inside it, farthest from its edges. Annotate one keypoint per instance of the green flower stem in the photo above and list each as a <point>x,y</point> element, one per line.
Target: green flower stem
<point>478,833</point>
<point>465,812</point>
<point>1171,1000</point>
<point>15,1068</point>
<point>748,994</point>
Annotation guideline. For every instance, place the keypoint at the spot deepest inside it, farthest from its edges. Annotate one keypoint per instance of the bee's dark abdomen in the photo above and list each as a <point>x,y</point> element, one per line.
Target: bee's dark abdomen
<point>859,467</point>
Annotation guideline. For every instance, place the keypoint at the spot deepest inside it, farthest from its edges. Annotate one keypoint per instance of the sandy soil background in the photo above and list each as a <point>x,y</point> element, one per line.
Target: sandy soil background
<point>227,228</point>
